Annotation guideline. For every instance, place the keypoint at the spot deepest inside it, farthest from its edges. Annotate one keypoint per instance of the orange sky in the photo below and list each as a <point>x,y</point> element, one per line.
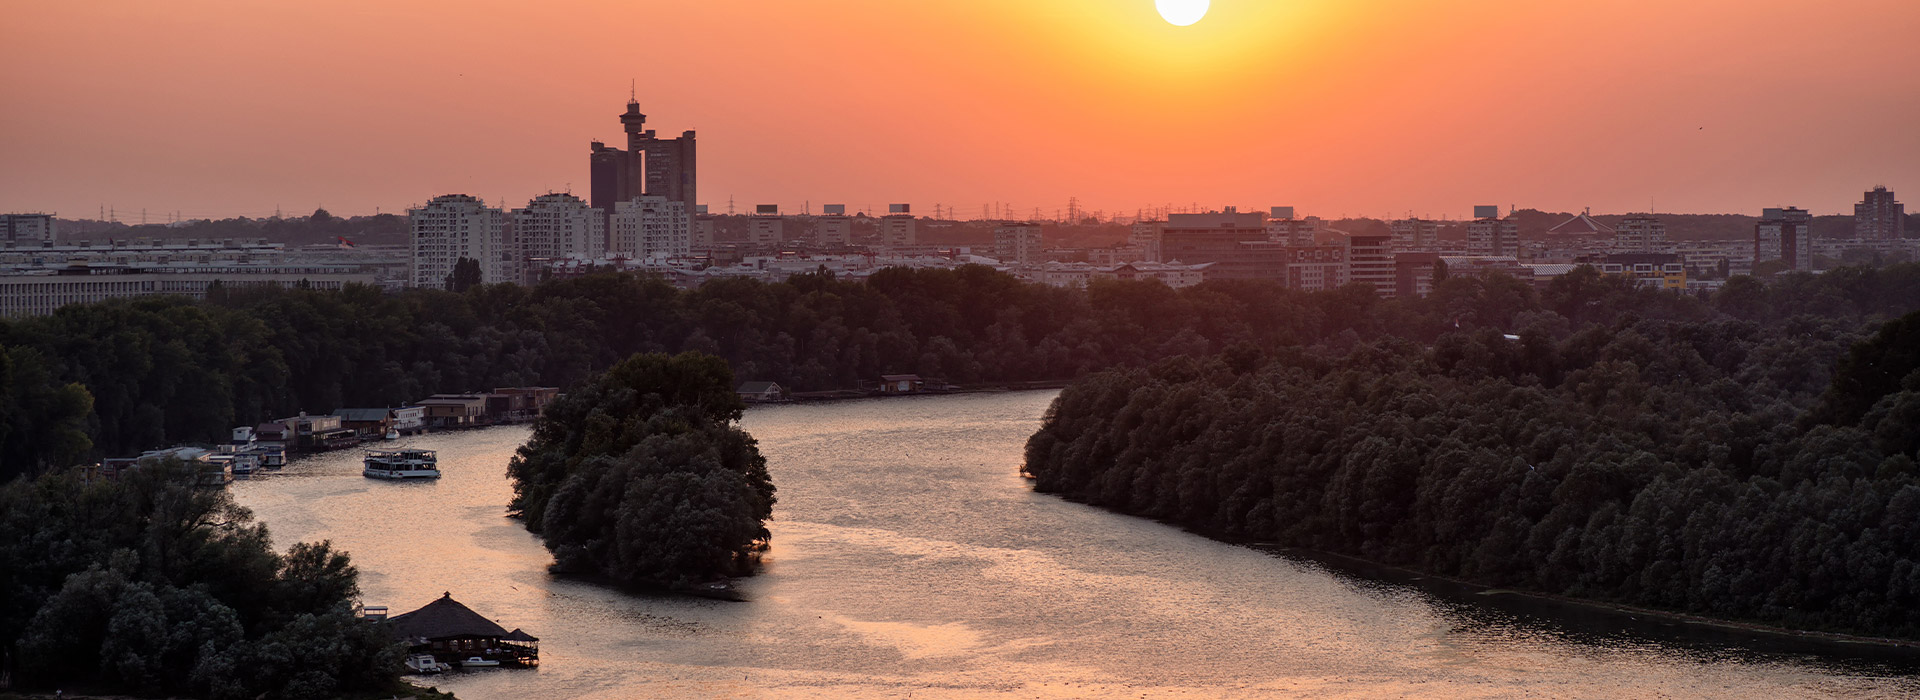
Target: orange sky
<point>1339,107</point>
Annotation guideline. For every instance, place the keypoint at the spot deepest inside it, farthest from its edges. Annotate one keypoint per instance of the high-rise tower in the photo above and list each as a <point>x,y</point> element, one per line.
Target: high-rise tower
<point>649,165</point>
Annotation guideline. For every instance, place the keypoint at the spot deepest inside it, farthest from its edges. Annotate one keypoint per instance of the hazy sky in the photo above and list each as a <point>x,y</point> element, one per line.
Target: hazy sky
<point>1338,107</point>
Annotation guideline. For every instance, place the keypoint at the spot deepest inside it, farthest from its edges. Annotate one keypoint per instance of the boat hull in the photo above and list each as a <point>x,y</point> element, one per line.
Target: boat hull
<point>398,474</point>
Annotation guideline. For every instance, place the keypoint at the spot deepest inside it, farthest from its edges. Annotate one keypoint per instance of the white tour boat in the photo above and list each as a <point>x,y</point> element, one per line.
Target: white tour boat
<point>402,464</point>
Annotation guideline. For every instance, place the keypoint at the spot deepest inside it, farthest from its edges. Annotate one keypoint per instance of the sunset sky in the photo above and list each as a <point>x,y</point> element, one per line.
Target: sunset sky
<point>1338,107</point>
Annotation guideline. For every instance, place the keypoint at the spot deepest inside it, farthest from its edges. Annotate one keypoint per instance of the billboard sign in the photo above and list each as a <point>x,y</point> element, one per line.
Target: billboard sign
<point>1486,211</point>
<point>767,209</point>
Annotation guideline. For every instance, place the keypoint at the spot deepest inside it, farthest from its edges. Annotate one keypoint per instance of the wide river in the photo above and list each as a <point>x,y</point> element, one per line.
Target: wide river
<point>910,559</point>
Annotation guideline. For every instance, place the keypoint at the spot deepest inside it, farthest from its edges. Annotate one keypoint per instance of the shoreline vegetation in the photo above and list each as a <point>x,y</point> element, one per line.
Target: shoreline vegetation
<point>1717,469</point>
<point>642,477</point>
<point>1829,642</point>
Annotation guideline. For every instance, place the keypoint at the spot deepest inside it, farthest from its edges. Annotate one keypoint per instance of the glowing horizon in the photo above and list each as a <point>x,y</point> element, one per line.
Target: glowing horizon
<point>1338,107</point>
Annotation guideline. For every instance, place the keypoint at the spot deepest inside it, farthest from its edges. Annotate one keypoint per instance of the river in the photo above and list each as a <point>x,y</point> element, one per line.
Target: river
<point>910,559</point>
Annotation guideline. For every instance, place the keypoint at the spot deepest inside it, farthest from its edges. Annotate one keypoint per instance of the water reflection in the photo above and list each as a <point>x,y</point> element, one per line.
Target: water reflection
<point>910,558</point>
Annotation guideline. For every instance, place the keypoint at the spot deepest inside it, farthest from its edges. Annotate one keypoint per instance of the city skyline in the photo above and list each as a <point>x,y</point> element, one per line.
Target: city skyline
<point>1356,109</point>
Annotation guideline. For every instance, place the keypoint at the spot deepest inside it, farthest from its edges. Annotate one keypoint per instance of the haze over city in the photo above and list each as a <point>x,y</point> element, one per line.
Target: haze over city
<point>1345,107</point>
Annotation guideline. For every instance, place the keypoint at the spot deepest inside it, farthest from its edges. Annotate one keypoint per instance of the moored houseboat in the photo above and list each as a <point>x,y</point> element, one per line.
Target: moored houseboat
<point>402,464</point>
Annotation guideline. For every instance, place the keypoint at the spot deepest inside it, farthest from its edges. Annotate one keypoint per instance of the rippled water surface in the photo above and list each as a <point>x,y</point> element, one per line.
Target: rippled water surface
<point>909,559</point>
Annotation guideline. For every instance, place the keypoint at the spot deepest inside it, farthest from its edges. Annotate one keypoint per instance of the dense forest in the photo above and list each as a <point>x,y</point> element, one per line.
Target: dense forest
<point>639,476</point>
<point>118,377</point>
<point>1751,458</point>
<point>154,586</point>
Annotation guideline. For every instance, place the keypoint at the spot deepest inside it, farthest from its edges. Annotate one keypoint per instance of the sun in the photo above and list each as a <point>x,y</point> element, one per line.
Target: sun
<point>1181,13</point>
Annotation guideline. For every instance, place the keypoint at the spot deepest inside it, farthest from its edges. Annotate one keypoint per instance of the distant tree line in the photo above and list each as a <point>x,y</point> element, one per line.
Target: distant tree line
<point>639,476</point>
<point>153,586</point>
<point>118,377</point>
<point>1750,458</point>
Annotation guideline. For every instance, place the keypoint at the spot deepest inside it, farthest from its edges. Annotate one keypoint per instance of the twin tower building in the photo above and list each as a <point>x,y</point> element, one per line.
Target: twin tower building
<point>641,206</point>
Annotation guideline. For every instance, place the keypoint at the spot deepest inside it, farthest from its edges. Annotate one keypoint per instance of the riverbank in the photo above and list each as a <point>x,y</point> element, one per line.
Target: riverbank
<point>1582,614</point>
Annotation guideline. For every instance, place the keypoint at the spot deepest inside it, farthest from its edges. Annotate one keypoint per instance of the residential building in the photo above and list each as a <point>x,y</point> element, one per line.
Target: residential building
<point>1640,234</point>
<point>649,165</point>
<point>23,228</point>
<point>454,410</point>
<point>456,226</point>
<point>559,225</point>
<point>1784,234</point>
<point>1370,260</point>
<point>1145,235</point>
<point>1282,228</point>
<point>1316,268</point>
<point>1879,215</point>
<point>1658,270</point>
<point>1489,234</point>
<point>1415,235</point>
<point>650,227</point>
<point>1017,243</point>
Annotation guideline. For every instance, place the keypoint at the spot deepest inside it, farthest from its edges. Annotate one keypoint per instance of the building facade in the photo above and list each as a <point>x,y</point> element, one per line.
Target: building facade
<point>41,294</point>
<point>455,226</point>
<point>559,225</point>
<point>1145,235</point>
<point>1492,235</point>
<point>1415,235</point>
<point>1017,243</point>
<point>1370,260</point>
<point>27,228</point>
<point>1879,215</point>
<point>1784,234</point>
<point>833,231</point>
<point>1640,234</point>
<point>650,227</point>
<point>899,229</point>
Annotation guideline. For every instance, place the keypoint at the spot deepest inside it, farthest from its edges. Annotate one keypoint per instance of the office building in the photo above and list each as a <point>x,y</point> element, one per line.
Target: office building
<point>559,225</point>
<point>1316,268</point>
<point>1640,234</point>
<point>1879,215</point>
<point>1415,234</point>
<point>767,229</point>
<point>26,228</point>
<point>1489,234</point>
<point>1370,260</point>
<point>1784,234</point>
<point>455,226</point>
<point>898,228</point>
<point>1017,243</point>
<point>650,228</point>
<point>42,292</point>
<point>649,165</point>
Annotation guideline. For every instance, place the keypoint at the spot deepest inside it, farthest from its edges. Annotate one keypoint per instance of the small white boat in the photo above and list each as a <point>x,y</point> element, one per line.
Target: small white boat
<point>477,662</point>
<point>392,434</point>
<point>425,663</point>
<point>402,464</point>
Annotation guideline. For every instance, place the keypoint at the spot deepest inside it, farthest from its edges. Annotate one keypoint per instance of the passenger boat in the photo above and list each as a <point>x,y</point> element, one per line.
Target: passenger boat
<point>402,464</point>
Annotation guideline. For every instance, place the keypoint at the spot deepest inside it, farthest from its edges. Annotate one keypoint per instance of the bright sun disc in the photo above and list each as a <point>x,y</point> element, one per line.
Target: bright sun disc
<point>1181,13</point>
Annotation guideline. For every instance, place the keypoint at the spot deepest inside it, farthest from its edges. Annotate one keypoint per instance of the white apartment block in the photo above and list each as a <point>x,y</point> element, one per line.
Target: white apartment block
<point>559,225</point>
<point>833,230</point>
<point>1493,236</point>
<point>1370,260</point>
<point>1295,232</point>
<point>1410,235</point>
<point>1017,244</point>
<point>651,227</point>
<point>455,226</point>
<point>1640,234</point>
